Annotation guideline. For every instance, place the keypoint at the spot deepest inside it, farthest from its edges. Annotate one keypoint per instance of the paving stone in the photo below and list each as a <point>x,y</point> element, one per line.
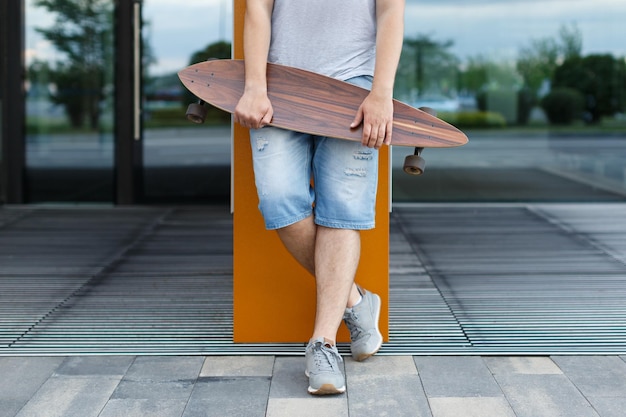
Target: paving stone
<point>544,395</point>
<point>595,376</point>
<point>232,397</point>
<point>238,366</point>
<point>165,368</point>
<point>471,407</point>
<point>289,380</point>
<point>529,365</point>
<point>609,406</point>
<point>70,396</point>
<point>330,405</point>
<point>143,408</point>
<point>379,365</point>
<point>21,378</point>
<point>95,365</point>
<point>154,390</point>
<point>385,386</point>
<point>456,376</point>
<point>160,378</point>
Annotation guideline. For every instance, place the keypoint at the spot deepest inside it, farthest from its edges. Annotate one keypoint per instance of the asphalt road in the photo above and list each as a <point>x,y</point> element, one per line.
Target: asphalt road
<point>496,166</point>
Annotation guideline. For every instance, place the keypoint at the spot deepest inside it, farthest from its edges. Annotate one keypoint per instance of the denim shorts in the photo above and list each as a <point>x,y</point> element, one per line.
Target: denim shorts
<point>298,175</point>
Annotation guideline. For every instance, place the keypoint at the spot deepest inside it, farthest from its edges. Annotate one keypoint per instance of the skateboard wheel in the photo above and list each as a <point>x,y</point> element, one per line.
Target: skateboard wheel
<point>414,165</point>
<point>429,110</point>
<point>196,113</point>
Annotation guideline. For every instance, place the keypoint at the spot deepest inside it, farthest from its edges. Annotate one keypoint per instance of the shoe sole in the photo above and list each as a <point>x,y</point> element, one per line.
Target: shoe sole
<point>364,356</point>
<point>327,389</point>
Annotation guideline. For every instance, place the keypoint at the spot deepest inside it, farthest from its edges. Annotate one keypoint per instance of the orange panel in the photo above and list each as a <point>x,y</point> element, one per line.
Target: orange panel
<point>274,298</point>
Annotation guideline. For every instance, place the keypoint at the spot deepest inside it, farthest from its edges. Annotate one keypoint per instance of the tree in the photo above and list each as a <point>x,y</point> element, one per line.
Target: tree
<point>538,61</point>
<point>563,105</point>
<point>219,50</point>
<point>482,73</point>
<point>427,66</point>
<point>601,79</point>
<point>497,87</point>
<point>571,41</point>
<point>82,33</point>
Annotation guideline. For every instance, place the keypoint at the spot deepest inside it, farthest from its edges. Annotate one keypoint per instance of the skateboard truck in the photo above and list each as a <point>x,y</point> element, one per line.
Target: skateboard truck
<point>196,112</point>
<point>415,164</point>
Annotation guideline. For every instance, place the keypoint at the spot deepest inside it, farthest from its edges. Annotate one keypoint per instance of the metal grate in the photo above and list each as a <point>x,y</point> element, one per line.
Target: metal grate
<point>465,279</point>
<point>519,280</point>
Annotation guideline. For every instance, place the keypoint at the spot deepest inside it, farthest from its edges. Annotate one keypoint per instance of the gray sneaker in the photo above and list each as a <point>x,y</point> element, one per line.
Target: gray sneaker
<point>322,368</point>
<point>362,321</point>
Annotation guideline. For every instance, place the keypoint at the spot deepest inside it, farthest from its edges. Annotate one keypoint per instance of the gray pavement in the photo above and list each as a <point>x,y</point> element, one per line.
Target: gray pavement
<point>499,165</point>
<point>540,247</point>
<point>275,386</point>
<point>574,245</point>
<point>596,158</point>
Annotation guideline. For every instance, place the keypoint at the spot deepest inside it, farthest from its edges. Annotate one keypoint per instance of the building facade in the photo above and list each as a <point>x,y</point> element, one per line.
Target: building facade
<point>91,110</point>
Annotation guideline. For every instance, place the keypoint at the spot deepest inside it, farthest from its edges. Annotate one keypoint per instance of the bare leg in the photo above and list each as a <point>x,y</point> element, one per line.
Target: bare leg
<point>301,240</point>
<point>337,254</point>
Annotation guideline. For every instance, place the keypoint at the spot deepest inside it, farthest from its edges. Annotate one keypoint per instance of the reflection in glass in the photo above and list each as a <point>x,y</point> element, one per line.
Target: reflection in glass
<point>540,93</point>
<point>540,88</point>
<point>69,105</point>
<point>182,161</point>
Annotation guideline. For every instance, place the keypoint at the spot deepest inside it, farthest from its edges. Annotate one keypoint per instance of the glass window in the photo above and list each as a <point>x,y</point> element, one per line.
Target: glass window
<point>540,89</point>
<point>69,104</point>
<point>183,161</point>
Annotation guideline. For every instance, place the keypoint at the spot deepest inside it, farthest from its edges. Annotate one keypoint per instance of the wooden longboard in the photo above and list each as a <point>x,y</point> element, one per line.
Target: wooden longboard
<point>312,103</point>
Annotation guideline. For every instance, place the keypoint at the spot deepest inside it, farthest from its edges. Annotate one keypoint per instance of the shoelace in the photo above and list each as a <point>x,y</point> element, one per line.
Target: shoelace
<point>324,358</point>
<point>351,320</point>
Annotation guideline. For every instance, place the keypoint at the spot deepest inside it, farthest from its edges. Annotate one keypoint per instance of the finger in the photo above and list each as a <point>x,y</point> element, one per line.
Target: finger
<point>375,141</point>
<point>367,135</point>
<point>381,137</point>
<point>358,118</point>
<point>371,141</point>
<point>267,118</point>
<point>388,133</point>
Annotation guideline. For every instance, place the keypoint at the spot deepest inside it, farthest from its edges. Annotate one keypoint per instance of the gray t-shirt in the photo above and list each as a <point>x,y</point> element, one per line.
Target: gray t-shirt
<point>332,37</point>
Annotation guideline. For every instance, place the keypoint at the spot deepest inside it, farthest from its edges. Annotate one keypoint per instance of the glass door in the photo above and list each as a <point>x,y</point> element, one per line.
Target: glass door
<point>69,100</point>
<point>105,111</point>
<point>182,161</point>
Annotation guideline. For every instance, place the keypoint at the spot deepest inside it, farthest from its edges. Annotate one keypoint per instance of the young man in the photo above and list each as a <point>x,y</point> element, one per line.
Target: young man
<point>358,41</point>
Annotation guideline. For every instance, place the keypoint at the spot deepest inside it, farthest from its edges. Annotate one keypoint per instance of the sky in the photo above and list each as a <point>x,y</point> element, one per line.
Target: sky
<point>502,27</point>
<point>492,28</point>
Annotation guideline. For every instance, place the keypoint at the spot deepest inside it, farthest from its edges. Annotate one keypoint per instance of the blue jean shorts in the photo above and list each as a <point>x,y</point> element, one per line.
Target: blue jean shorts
<point>298,175</point>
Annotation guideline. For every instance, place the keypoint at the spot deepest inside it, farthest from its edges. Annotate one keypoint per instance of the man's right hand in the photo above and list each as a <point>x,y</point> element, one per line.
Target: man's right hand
<point>254,110</point>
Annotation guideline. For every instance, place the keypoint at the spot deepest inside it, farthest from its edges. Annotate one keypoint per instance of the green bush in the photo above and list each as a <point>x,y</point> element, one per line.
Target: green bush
<point>474,119</point>
<point>563,105</point>
<point>600,78</point>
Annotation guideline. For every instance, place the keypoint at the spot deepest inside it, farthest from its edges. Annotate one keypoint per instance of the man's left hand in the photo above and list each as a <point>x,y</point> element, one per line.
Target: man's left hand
<point>376,115</point>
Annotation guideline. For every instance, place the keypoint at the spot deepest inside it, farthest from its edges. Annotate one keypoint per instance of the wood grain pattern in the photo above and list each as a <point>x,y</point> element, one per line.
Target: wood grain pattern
<point>312,103</point>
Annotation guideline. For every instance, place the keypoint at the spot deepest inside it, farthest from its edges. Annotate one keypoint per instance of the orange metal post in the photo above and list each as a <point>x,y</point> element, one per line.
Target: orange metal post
<point>274,298</point>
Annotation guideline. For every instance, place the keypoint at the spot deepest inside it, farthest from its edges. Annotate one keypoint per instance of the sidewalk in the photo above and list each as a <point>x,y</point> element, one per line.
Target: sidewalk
<point>495,310</point>
<point>251,386</point>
